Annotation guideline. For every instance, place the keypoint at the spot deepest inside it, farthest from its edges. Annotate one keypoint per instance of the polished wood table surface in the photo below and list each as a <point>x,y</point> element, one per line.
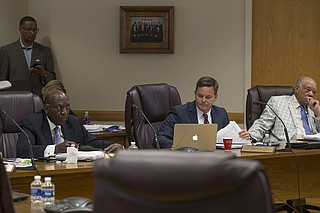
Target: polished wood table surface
<point>69,179</point>
<point>283,169</point>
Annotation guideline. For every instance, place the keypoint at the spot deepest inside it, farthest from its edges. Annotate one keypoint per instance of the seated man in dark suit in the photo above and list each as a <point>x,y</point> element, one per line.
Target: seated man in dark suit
<point>52,130</point>
<point>201,110</point>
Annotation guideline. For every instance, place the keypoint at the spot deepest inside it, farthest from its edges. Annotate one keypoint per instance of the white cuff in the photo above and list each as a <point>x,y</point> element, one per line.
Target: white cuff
<point>49,151</point>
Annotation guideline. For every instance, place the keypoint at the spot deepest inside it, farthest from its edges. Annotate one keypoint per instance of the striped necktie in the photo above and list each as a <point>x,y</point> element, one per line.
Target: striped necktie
<point>57,138</point>
<point>206,121</point>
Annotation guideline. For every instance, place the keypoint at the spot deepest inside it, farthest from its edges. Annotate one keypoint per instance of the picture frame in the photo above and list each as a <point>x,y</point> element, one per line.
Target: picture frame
<point>146,29</point>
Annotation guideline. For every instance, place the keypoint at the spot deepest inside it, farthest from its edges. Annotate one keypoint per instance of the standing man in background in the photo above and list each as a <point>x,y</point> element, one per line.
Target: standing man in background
<point>27,60</point>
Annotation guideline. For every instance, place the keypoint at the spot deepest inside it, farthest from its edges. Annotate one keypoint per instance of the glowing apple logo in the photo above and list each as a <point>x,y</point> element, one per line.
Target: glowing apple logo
<point>195,137</point>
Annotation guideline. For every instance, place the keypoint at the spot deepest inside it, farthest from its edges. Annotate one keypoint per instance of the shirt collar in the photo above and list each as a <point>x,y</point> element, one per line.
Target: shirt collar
<point>52,125</point>
<point>23,47</point>
<point>200,113</point>
<point>295,102</point>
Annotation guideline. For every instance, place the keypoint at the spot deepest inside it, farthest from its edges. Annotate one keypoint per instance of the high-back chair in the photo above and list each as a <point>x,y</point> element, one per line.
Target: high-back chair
<point>262,94</point>
<point>155,101</point>
<point>17,104</point>
<point>167,181</point>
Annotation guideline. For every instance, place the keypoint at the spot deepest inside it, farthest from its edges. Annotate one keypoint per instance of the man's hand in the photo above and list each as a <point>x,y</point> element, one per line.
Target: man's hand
<point>113,148</point>
<point>39,70</point>
<point>62,148</point>
<point>314,106</point>
<point>244,134</point>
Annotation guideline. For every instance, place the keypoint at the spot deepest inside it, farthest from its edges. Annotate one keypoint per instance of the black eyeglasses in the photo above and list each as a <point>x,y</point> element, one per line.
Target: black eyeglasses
<point>30,30</point>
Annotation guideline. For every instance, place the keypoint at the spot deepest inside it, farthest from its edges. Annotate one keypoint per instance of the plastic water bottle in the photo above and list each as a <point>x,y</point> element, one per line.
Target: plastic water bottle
<point>133,147</point>
<point>86,119</point>
<point>35,188</point>
<point>48,191</point>
<point>266,138</point>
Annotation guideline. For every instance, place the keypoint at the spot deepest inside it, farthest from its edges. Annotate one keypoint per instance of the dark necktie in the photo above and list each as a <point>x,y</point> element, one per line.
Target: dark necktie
<point>305,120</point>
<point>57,138</point>
<point>206,121</point>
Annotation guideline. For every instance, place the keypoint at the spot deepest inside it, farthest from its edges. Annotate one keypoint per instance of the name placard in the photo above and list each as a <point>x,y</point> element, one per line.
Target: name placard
<point>264,149</point>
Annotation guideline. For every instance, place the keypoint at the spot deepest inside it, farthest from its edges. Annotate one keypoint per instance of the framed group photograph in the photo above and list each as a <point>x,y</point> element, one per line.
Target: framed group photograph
<point>146,29</point>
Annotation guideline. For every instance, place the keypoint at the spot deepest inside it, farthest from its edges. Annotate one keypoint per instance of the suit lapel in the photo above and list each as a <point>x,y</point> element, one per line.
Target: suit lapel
<point>193,113</point>
<point>67,132</point>
<point>46,131</point>
<point>21,56</point>
<point>213,116</point>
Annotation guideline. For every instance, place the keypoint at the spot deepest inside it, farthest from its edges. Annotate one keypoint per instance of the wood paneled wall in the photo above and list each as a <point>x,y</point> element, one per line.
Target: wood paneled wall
<point>285,41</point>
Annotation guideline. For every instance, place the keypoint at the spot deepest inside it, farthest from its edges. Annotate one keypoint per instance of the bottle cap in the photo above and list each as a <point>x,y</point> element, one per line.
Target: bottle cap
<point>37,177</point>
<point>133,143</point>
<point>47,179</point>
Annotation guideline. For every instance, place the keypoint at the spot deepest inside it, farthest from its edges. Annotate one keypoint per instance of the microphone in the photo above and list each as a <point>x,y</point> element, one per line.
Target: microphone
<point>33,165</point>
<point>154,131</point>
<point>284,126</point>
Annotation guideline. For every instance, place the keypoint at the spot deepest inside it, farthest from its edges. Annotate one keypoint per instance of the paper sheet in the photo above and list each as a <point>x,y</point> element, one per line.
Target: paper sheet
<point>231,130</point>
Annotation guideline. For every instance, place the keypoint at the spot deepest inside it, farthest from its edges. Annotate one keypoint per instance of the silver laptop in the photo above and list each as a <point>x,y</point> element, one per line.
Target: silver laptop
<point>200,136</point>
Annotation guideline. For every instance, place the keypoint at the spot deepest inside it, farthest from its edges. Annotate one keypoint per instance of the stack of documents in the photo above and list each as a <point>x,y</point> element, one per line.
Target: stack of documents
<point>93,128</point>
<point>100,127</point>
<point>231,130</point>
<point>83,155</point>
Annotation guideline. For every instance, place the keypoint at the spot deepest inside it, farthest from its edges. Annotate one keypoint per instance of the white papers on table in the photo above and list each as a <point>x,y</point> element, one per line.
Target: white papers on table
<point>93,128</point>
<point>231,130</point>
<point>83,155</point>
<point>100,127</point>
<point>315,137</point>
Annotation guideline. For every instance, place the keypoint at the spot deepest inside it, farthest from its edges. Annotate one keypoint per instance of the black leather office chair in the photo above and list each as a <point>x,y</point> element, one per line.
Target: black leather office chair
<point>168,181</point>
<point>155,101</point>
<point>17,104</point>
<point>6,204</point>
<point>262,94</point>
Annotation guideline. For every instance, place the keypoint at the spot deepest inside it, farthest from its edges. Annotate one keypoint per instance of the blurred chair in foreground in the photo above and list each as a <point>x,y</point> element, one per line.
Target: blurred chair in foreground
<point>167,181</point>
<point>155,101</point>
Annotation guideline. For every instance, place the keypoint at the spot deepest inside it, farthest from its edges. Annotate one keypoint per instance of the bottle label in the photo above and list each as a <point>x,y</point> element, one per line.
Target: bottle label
<point>47,193</point>
<point>35,191</point>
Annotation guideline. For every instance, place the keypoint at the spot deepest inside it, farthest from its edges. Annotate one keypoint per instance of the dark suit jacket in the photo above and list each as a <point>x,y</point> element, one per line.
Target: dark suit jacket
<point>14,67</point>
<point>187,113</point>
<point>37,128</point>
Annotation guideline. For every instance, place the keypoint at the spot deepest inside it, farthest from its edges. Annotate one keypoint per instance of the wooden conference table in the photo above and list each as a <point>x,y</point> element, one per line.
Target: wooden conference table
<point>69,179</point>
<point>281,168</point>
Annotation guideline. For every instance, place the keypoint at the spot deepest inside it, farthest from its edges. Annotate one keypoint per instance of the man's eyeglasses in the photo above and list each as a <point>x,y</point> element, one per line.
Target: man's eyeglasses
<point>30,30</point>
